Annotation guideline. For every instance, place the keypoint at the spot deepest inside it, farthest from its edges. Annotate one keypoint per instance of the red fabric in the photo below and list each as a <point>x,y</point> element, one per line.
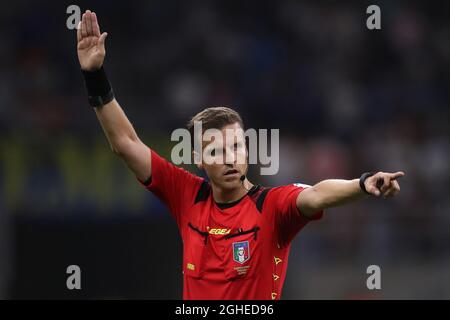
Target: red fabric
<point>212,267</point>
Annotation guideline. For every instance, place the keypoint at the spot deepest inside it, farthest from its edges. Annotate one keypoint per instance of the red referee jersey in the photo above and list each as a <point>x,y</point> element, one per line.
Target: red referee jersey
<point>233,251</point>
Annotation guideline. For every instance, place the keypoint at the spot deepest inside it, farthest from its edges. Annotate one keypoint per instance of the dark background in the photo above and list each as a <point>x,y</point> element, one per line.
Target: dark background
<point>346,100</point>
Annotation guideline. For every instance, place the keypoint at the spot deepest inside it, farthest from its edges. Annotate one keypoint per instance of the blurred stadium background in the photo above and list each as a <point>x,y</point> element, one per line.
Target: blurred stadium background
<point>346,100</point>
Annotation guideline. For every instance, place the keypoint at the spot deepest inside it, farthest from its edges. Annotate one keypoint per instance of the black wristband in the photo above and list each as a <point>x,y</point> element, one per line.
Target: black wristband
<point>98,87</point>
<point>363,178</point>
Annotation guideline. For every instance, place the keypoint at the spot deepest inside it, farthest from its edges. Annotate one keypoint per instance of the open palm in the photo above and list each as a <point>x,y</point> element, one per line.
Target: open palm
<point>91,44</point>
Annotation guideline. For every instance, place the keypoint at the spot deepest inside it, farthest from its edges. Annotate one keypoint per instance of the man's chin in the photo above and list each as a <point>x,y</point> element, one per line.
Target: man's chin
<point>230,184</point>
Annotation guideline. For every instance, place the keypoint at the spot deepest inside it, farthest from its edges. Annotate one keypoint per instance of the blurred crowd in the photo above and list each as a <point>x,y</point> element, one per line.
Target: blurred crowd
<point>346,100</point>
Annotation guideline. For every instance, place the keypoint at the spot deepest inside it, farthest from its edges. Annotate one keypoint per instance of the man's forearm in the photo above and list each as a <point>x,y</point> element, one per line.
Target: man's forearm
<point>336,192</point>
<point>118,129</point>
<point>123,139</point>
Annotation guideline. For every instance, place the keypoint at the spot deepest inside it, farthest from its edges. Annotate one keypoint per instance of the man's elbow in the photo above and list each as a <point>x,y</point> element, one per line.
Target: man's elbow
<point>123,146</point>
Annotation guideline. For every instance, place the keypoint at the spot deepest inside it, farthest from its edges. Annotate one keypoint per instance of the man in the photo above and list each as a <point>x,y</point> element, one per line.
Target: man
<point>236,235</point>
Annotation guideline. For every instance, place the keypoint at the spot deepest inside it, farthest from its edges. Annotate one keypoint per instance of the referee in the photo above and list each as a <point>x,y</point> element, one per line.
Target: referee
<point>236,235</point>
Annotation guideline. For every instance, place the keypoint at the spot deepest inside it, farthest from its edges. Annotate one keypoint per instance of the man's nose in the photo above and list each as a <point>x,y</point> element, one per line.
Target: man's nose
<point>230,157</point>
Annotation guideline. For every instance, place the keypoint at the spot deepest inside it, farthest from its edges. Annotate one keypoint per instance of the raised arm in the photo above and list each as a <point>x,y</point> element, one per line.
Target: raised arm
<point>335,192</point>
<point>119,131</point>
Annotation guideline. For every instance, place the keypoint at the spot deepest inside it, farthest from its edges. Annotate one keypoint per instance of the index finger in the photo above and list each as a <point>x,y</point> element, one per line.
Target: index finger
<point>396,175</point>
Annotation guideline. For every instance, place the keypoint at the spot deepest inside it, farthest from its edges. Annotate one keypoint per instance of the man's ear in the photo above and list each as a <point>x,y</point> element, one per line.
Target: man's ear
<point>246,154</point>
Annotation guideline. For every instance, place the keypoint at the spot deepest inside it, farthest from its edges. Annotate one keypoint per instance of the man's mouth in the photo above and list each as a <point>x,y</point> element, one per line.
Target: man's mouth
<point>230,172</point>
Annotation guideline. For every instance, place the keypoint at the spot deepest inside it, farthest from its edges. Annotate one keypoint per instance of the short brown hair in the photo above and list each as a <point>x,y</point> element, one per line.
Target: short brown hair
<point>214,117</point>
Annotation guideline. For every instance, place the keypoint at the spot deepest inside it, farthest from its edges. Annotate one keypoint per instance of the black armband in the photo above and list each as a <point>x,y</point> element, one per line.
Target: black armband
<point>363,178</point>
<point>98,87</point>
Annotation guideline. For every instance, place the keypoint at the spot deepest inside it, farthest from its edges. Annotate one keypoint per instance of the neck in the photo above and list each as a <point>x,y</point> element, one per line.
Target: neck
<point>222,195</point>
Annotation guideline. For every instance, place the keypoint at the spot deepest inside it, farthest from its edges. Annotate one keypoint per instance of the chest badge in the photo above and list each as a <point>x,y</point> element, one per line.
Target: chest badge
<point>241,251</point>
